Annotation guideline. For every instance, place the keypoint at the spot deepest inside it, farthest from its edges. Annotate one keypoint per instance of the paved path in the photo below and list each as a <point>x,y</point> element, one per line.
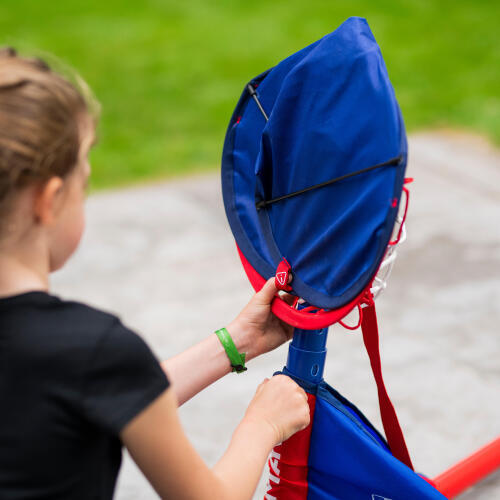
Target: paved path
<point>163,258</point>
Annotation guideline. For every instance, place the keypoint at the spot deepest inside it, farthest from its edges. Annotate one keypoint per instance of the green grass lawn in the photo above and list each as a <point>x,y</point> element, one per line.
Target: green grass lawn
<point>169,72</point>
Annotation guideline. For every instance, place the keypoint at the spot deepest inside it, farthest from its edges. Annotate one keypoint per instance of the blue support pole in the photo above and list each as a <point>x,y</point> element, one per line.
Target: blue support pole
<point>307,353</point>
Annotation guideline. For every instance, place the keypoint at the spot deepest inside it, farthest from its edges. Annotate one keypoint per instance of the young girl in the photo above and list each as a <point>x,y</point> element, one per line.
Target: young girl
<point>75,384</point>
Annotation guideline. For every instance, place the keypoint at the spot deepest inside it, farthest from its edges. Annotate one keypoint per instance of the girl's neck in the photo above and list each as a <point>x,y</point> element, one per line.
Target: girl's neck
<point>21,272</point>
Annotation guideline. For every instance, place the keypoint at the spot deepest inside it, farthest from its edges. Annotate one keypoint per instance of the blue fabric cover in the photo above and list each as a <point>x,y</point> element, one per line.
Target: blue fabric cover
<point>355,465</point>
<point>350,460</point>
<point>332,111</point>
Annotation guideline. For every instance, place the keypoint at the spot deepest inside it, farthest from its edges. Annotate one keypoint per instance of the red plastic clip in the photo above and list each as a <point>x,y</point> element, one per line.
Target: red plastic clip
<point>283,275</point>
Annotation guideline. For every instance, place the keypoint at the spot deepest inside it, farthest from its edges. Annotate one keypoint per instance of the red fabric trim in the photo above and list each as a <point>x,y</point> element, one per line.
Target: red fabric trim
<point>392,429</point>
<point>295,317</point>
<point>288,464</point>
<point>282,276</point>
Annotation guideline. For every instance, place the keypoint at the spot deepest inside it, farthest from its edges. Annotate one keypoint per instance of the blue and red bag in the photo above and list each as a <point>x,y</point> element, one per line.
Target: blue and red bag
<point>313,174</point>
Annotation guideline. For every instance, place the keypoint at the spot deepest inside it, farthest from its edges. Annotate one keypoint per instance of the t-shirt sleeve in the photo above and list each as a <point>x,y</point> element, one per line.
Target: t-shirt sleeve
<point>122,378</point>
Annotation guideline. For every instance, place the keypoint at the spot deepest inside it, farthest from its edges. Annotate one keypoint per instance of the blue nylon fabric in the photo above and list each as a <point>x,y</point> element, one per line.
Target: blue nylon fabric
<point>341,403</point>
<point>346,461</point>
<point>332,111</point>
<point>349,459</point>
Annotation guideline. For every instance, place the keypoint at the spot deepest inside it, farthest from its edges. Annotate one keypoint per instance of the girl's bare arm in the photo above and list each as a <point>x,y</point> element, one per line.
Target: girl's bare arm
<point>157,443</point>
<point>255,331</point>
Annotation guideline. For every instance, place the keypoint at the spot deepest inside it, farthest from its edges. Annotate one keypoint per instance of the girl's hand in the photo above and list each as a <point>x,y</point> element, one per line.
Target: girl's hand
<point>256,329</point>
<point>281,405</point>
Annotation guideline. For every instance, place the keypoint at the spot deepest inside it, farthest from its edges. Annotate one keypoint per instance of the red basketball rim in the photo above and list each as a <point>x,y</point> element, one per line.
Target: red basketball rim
<point>299,318</point>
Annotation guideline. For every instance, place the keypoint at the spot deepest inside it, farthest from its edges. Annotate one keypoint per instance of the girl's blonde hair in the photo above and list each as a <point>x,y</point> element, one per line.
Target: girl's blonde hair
<point>42,116</point>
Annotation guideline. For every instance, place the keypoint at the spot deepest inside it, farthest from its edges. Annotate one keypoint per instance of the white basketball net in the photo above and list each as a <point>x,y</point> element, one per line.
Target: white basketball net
<point>385,269</point>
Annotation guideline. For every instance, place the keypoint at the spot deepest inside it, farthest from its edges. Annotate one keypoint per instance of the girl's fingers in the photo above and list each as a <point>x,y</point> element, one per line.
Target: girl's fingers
<point>267,292</point>
<point>261,385</point>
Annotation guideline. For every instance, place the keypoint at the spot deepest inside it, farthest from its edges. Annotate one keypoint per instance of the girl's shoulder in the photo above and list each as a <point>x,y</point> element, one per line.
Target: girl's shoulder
<point>80,357</point>
<point>53,307</point>
<point>41,326</point>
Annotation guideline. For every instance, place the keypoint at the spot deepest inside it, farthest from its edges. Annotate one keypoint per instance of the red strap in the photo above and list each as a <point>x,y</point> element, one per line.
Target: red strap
<point>392,429</point>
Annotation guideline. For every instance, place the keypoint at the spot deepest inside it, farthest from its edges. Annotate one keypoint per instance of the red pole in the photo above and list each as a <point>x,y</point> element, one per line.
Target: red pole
<point>469,471</point>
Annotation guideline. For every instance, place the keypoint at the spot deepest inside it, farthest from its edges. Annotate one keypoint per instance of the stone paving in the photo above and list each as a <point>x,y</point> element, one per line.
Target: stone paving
<point>163,258</point>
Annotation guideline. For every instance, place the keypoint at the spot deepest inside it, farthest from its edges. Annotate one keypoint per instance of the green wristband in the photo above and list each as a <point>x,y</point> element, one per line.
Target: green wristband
<point>237,359</point>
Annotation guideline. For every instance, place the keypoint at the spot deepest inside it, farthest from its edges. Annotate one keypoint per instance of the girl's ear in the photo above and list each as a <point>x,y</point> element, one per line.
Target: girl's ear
<point>47,200</point>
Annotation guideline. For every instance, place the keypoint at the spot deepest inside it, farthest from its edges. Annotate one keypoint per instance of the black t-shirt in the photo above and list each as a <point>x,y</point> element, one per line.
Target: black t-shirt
<point>71,377</point>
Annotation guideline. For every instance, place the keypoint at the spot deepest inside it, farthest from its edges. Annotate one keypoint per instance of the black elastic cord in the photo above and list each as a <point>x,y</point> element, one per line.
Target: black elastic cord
<point>392,162</point>
<point>264,203</point>
<point>253,93</point>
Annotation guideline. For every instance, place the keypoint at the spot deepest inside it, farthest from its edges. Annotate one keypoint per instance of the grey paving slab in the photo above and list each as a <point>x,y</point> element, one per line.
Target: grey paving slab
<point>162,257</point>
